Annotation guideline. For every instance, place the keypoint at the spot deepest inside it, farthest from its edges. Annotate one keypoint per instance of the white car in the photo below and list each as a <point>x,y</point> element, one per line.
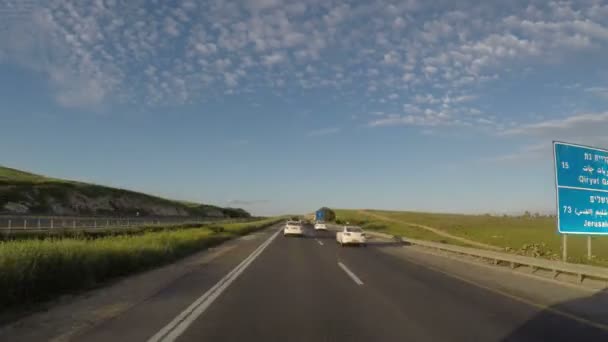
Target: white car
<point>351,235</point>
<point>320,226</point>
<point>293,228</point>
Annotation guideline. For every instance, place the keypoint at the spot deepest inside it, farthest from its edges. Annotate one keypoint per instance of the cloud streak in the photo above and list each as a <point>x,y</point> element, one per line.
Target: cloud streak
<point>324,131</point>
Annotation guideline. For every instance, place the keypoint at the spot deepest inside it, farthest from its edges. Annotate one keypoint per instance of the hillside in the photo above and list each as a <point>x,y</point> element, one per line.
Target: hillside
<point>27,193</point>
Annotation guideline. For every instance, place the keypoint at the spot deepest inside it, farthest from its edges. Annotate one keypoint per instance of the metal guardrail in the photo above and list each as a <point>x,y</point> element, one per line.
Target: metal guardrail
<point>556,267</point>
<point>15,224</point>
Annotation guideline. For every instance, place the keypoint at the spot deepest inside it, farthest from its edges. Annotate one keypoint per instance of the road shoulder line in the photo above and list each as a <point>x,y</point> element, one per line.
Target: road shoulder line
<point>181,322</point>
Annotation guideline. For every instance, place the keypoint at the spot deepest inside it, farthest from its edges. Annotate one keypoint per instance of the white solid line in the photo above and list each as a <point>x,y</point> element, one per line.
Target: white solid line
<point>179,324</point>
<point>320,242</point>
<point>578,188</point>
<point>350,274</point>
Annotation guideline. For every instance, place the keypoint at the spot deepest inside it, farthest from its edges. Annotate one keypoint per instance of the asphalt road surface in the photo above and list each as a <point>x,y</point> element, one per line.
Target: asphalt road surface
<point>276,288</point>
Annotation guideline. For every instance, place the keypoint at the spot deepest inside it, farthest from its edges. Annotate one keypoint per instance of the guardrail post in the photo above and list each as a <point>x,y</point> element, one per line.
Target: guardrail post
<point>10,224</point>
<point>565,247</point>
<point>52,223</point>
<point>24,224</point>
<point>74,224</point>
<point>38,223</point>
<point>94,223</point>
<point>128,222</point>
<point>589,247</point>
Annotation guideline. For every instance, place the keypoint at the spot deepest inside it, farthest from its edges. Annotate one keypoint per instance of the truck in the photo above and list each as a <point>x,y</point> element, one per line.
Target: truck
<point>319,215</point>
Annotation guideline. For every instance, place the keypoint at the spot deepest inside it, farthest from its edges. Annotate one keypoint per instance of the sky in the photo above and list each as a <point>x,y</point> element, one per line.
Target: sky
<point>285,106</point>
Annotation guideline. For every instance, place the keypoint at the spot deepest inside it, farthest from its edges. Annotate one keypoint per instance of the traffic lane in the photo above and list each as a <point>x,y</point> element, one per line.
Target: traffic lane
<point>454,310</point>
<point>296,291</point>
<point>143,320</point>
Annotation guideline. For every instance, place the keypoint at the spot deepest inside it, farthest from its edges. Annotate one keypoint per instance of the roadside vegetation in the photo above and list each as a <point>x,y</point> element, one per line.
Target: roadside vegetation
<point>95,233</point>
<point>34,194</point>
<point>370,223</point>
<point>531,235</point>
<point>35,270</point>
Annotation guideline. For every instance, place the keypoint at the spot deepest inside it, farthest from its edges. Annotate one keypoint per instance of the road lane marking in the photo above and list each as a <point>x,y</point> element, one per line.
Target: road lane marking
<point>320,242</point>
<point>548,308</point>
<point>350,274</point>
<point>179,324</point>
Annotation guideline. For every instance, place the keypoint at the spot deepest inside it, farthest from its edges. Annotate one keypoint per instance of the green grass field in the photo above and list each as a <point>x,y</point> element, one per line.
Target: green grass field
<point>370,223</point>
<point>18,176</point>
<point>39,269</point>
<point>534,236</point>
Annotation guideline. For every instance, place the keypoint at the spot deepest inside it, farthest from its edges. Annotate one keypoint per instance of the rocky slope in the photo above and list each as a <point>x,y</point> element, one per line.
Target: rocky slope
<point>30,194</point>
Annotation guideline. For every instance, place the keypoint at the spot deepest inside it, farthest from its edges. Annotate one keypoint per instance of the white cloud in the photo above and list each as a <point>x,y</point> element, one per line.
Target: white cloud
<point>426,99</point>
<point>324,131</point>
<point>273,59</point>
<point>410,108</point>
<point>246,203</point>
<point>429,69</point>
<point>171,27</point>
<point>398,23</point>
<point>393,120</point>
<point>428,117</point>
<point>263,4</point>
<point>599,91</point>
<point>542,150</point>
<point>391,58</point>
<point>586,127</point>
<point>408,77</point>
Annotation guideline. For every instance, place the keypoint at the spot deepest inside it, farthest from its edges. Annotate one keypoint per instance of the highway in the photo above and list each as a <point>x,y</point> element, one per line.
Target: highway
<point>267,287</point>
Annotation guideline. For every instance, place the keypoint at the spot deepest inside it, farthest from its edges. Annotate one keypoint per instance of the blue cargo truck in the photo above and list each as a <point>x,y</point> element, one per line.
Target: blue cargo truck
<point>319,215</point>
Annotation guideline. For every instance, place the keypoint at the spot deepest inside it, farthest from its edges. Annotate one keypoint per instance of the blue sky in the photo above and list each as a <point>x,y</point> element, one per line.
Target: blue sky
<point>284,106</point>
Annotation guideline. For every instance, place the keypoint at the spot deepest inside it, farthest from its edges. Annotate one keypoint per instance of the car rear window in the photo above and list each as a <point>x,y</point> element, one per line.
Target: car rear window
<point>353,230</point>
<point>293,223</point>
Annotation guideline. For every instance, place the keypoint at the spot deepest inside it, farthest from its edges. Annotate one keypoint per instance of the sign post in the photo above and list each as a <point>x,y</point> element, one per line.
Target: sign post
<point>565,247</point>
<point>581,179</point>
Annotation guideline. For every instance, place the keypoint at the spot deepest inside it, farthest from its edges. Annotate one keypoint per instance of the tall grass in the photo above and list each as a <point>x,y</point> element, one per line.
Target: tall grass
<point>37,270</point>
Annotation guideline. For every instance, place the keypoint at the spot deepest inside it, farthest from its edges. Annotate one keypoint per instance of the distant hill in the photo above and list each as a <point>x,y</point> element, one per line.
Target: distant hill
<point>28,193</point>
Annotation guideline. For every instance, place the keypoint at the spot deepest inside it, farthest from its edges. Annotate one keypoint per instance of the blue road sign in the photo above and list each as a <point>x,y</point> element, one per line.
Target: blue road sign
<point>581,177</point>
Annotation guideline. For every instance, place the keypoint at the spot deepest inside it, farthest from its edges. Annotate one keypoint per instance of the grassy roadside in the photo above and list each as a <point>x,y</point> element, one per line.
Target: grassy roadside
<point>371,223</point>
<point>532,236</point>
<point>36,270</point>
<point>94,233</point>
